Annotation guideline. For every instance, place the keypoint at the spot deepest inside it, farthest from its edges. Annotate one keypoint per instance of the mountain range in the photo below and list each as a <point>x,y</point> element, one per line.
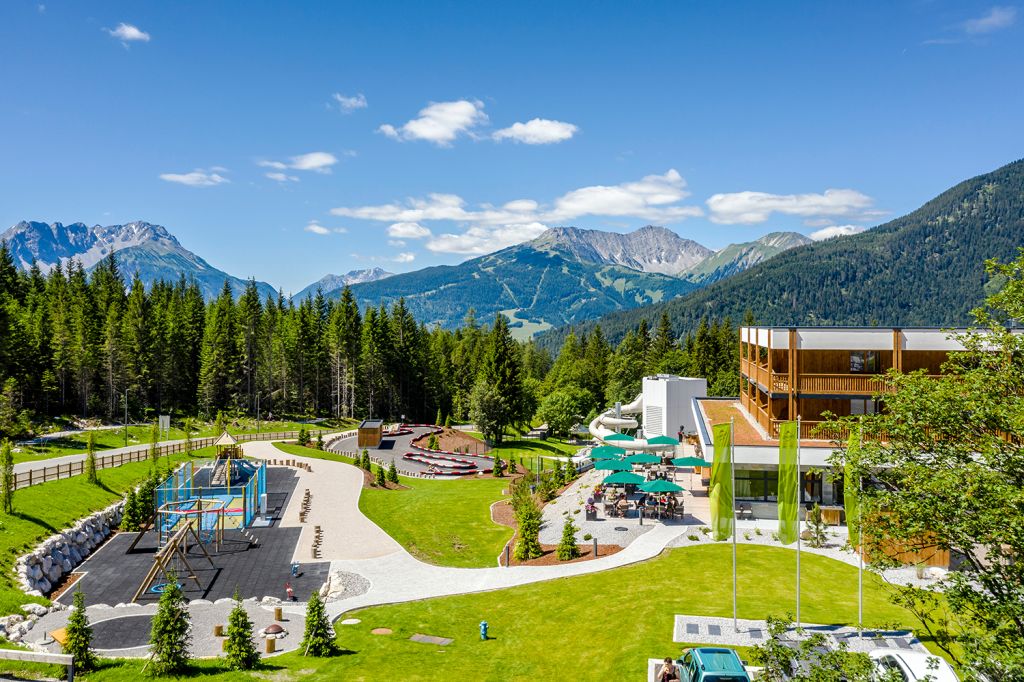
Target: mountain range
<point>926,268</point>
<point>150,250</point>
<point>330,284</point>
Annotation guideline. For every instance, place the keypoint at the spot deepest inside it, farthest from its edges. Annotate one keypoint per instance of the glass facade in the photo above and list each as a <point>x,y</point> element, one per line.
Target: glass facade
<point>754,485</point>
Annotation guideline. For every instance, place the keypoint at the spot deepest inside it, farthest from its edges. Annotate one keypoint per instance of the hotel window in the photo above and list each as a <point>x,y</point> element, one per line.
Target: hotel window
<point>863,406</point>
<point>758,486</point>
<point>863,362</point>
<point>810,488</point>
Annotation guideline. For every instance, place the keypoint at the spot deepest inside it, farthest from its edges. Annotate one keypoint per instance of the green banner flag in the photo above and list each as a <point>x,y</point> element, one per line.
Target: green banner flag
<point>789,484</point>
<point>722,514</point>
<point>851,490</point>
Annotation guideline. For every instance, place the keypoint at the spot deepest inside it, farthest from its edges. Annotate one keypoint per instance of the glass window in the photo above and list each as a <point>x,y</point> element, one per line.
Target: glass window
<point>811,488</point>
<point>864,362</point>
<point>760,486</point>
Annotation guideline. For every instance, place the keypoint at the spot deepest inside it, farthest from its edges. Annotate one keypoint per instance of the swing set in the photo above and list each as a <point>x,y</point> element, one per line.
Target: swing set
<point>171,563</point>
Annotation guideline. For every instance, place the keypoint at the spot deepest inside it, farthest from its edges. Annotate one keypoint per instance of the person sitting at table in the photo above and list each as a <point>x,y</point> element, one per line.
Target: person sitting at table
<point>622,506</point>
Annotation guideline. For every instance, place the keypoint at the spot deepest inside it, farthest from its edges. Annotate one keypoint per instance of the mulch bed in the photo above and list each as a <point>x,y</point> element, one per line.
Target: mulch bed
<point>450,439</point>
<point>502,514</point>
<point>370,481</point>
<point>66,582</point>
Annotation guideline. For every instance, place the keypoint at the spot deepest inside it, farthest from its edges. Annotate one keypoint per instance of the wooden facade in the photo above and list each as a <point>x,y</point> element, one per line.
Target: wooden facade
<point>804,378</point>
<point>370,433</point>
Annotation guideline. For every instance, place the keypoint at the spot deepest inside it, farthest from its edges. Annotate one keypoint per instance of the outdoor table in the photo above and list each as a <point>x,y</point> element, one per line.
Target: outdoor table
<point>831,515</point>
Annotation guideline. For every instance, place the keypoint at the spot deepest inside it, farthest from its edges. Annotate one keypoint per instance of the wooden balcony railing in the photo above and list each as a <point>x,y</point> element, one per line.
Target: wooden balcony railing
<point>780,383</point>
<point>840,384</point>
<point>809,431</point>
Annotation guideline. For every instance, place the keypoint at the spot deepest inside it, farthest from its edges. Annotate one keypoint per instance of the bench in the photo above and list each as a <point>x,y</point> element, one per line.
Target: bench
<point>65,660</point>
<point>744,511</point>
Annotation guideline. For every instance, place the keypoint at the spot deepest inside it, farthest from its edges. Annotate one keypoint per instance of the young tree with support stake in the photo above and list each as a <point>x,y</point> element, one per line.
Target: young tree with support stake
<point>567,548</point>
<point>943,466</point>
<point>6,478</point>
<point>318,639</point>
<point>90,458</point>
<point>169,638</point>
<point>78,635</point>
<point>240,647</point>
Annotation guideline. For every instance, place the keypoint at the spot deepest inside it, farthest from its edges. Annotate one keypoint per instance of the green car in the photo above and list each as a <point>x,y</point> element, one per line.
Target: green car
<point>711,664</point>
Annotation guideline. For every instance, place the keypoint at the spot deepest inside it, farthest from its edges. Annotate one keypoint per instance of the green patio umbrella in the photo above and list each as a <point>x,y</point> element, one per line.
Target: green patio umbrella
<point>613,465</point>
<point>619,437</point>
<point>662,440</point>
<point>622,478</point>
<point>643,459</point>
<point>659,486</point>
<point>690,462</point>
<point>606,452</point>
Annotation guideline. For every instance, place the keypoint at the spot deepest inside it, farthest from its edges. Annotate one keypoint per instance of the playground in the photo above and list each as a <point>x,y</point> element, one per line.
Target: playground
<point>214,542</point>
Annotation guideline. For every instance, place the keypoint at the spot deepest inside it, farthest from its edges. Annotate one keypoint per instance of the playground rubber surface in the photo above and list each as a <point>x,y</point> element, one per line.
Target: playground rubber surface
<point>112,575</point>
<point>122,633</point>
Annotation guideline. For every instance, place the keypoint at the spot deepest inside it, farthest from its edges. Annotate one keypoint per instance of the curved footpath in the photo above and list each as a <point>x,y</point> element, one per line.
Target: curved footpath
<point>355,544</point>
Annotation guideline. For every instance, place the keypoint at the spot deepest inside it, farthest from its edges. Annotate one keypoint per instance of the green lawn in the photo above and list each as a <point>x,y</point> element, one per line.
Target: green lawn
<point>528,450</point>
<point>441,522</point>
<point>601,626</point>
<point>139,435</point>
<point>42,510</point>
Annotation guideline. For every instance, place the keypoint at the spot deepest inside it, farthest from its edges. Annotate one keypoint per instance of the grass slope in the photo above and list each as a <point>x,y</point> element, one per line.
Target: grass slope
<point>447,523</point>
<point>598,626</point>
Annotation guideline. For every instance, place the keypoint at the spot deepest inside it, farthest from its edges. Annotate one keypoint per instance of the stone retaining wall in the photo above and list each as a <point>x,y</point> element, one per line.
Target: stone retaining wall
<point>41,569</point>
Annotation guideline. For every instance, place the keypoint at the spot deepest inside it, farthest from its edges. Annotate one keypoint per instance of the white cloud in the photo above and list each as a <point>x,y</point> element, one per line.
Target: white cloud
<point>317,228</point>
<point>995,19</point>
<point>653,198</point>
<point>480,240</point>
<point>405,257</point>
<point>349,104</point>
<point>198,178</point>
<point>407,231</point>
<point>537,131</point>
<point>757,207</point>
<point>396,242</point>
<point>127,33</point>
<point>318,162</point>
<point>439,122</point>
<point>282,177</point>
<point>835,231</point>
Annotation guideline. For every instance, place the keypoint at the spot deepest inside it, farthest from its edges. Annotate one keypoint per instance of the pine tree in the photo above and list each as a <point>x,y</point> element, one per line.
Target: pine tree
<point>448,421</point>
<point>381,478</point>
<point>365,462</point>
<point>130,512</point>
<point>6,478</point>
<point>392,473</point>
<point>303,439</point>
<point>187,427</point>
<point>318,639</point>
<point>319,440</point>
<point>90,458</point>
<point>240,647</point>
<point>154,438</point>
<point>567,548</point>
<point>556,474</point>
<point>78,635</point>
<point>437,419</point>
<point>169,638</point>
<point>219,424</point>
<point>497,466</point>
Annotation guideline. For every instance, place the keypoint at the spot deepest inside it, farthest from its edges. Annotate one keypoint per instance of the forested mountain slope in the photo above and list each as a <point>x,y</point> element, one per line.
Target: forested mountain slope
<point>925,268</point>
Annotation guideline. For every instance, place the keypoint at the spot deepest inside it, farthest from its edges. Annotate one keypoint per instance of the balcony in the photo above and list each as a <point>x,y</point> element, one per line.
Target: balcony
<point>840,384</point>
<point>809,431</point>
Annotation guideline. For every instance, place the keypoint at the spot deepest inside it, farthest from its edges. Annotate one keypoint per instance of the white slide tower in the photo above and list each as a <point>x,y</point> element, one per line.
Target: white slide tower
<point>667,399</point>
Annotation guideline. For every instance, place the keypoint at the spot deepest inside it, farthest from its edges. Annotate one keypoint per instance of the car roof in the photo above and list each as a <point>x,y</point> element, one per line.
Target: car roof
<point>718,660</point>
<point>918,662</point>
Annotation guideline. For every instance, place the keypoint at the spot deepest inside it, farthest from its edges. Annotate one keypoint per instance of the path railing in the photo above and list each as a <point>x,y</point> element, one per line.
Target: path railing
<point>65,660</point>
<point>24,479</point>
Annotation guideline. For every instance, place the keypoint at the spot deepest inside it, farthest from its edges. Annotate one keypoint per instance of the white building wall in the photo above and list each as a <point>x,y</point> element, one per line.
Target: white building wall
<point>667,404</point>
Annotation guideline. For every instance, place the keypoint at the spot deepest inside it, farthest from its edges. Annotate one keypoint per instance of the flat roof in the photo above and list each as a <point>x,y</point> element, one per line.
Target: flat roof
<point>746,431</point>
<point>371,424</point>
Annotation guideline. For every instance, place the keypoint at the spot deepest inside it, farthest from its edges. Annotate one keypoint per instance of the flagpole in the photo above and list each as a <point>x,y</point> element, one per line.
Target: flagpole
<point>860,546</point>
<point>732,474</point>
<point>799,483</point>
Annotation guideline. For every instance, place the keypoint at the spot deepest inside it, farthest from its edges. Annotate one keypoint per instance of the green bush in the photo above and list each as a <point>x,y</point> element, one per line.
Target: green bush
<point>303,438</point>
<point>240,647</point>
<point>392,473</point>
<point>169,638</point>
<point>78,635</point>
<point>365,462</point>
<point>567,548</point>
<point>318,640</point>
<point>381,479</point>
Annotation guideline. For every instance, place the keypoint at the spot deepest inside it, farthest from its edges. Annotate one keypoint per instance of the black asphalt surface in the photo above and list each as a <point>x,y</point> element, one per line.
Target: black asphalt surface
<point>394,448</point>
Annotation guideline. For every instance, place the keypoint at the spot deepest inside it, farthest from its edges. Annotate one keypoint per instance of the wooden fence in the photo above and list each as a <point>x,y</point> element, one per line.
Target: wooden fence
<point>24,479</point>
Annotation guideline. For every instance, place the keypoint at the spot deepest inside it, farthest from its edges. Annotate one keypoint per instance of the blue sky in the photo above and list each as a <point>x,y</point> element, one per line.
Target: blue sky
<point>286,141</point>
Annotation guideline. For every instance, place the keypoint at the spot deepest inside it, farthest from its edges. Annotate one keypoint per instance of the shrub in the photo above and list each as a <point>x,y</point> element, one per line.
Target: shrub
<point>757,531</point>
<point>499,469</point>
<point>319,440</point>
<point>318,640</point>
<point>365,461</point>
<point>169,637</point>
<point>557,476</point>
<point>567,548</point>
<point>705,530</point>
<point>437,420</point>
<point>693,538</point>
<point>6,478</point>
<point>512,465</point>
<point>78,635</point>
<point>381,478</point>
<point>392,473</point>
<point>303,438</point>
<point>432,442</point>
<point>130,514</point>
<point>587,537</point>
<point>240,647</point>
<point>816,527</point>
<point>448,422</point>
<point>90,458</point>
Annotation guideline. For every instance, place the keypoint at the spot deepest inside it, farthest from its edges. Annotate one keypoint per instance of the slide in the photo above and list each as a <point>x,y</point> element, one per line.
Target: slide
<point>607,423</point>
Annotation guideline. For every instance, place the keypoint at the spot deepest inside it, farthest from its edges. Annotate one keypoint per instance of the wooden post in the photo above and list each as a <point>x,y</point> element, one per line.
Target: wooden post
<point>278,613</point>
<point>897,350</point>
<point>218,630</point>
<point>270,645</point>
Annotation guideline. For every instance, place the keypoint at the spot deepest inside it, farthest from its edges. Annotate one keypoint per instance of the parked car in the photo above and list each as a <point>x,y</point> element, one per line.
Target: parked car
<point>711,664</point>
<point>913,665</point>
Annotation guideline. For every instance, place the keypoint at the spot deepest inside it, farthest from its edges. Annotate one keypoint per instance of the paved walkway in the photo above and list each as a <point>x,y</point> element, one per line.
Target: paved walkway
<point>334,506</point>
<point>40,464</point>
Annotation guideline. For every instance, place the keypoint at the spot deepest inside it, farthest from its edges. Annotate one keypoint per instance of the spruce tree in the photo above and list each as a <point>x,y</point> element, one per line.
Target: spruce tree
<point>187,427</point>
<point>437,419</point>
<point>556,474</point>
<point>154,438</point>
<point>499,472</point>
<point>319,440</point>
<point>240,647</point>
<point>169,638</point>
<point>78,635</point>
<point>567,548</point>
<point>130,513</point>
<point>366,463</point>
<point>219,424</point>
<point>448,421</point>
<point>392,473</point>
<point>380,477</point>
<point>318,639</point>
<point>6,478</point>
<point>90,458</point>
